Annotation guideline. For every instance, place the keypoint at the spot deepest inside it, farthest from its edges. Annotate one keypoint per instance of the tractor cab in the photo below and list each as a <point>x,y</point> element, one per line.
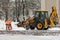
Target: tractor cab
<point>41,14</point>
<point>41,19</point>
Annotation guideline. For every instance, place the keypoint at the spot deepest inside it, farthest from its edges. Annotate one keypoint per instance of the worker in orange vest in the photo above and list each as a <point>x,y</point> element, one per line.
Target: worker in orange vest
<point>8,25</point>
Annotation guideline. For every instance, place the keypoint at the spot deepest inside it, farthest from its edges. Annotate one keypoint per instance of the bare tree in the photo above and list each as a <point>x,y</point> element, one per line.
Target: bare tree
<point>5,7</point>
<point>19,7</point>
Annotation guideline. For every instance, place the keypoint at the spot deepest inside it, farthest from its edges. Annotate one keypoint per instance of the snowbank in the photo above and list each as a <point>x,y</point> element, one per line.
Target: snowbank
<point>2,25</point>
<point>14,26</point>
<point>56,28</point>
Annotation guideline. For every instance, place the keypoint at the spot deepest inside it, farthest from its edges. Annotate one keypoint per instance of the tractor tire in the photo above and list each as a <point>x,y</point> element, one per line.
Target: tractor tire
<point>46,28</point>
<point>27,27</point>
<point>32,28</point>
<point>39,26</point>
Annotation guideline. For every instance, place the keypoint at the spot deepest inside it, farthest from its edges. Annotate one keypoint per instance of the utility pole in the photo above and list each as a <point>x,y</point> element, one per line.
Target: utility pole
<point>23,9</point>
<point>17,12</point>
<point>5,7</point>
<point>27,11</point>
<point>16,9</point>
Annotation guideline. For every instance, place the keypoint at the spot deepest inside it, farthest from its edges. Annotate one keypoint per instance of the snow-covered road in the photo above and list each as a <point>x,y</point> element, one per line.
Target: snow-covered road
<point>24,37</point>
<point>27,37</point>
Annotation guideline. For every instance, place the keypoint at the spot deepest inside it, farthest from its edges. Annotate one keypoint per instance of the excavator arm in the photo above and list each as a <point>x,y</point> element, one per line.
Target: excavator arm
<point>53,16</point>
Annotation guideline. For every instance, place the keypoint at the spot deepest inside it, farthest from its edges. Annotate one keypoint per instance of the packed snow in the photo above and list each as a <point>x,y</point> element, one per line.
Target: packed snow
<point>28,37</point>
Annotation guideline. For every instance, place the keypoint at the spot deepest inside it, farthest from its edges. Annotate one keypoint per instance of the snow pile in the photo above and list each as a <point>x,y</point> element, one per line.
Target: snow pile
<point>2,25</point>
<point>54,28</point>
<point>13,24</point>
<point>15,27</point>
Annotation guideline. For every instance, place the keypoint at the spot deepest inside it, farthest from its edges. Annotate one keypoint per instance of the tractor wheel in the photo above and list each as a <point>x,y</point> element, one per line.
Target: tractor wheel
<point>27,27</point>
<point>46,28</point>
<point>32,28</point>
<point>39,26</point>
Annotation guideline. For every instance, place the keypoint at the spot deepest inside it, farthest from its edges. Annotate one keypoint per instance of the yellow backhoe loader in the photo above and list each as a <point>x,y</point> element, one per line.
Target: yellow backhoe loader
<point>41,20</point>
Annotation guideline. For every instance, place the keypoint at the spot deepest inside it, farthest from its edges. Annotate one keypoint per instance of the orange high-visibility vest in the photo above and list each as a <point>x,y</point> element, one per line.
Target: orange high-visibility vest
<point>8,22</point>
